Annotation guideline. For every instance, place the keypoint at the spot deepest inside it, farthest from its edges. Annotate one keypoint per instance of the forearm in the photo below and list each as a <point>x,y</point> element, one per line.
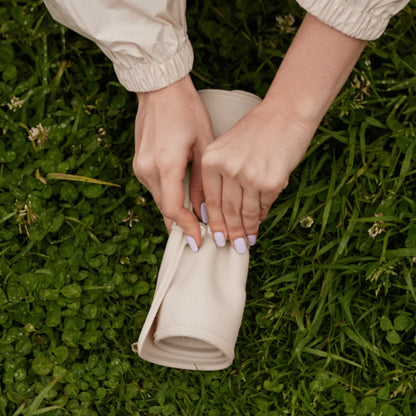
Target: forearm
<point>313,71</point>
<point>146,40</point>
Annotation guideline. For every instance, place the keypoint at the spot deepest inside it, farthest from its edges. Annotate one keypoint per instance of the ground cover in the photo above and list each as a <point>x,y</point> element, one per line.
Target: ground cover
<point>329,326</point>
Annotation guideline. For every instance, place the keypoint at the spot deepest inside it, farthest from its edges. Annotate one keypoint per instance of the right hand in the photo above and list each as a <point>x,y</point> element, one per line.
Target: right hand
<point>172,128</point>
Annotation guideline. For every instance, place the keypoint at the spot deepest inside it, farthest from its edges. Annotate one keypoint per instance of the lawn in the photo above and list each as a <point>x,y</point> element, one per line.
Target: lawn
<point>329,325</point>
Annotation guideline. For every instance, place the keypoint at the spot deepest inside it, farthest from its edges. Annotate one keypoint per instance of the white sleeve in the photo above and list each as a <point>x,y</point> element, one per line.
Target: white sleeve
<point>145,39</point>
<point>361,19</point>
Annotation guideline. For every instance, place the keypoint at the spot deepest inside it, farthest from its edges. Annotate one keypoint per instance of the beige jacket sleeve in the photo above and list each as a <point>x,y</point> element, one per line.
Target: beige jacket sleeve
<point>145,39</point>
<point>361,19</point>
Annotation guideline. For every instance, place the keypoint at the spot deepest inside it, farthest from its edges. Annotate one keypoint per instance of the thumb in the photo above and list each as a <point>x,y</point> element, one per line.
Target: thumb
<point>190,225</point>
<point>168,223</point>
<point>173,197</point>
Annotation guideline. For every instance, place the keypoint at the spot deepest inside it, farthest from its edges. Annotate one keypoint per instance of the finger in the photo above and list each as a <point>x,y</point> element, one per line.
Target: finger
<point>251,214</point>
<point>196,191</point>
<point>196,187</point>
<point>232,200</point>
<point>173,198</point>
<point>157,197</point>
<point>266,201</point>
<point>146,172</point>
<point>213,196</point>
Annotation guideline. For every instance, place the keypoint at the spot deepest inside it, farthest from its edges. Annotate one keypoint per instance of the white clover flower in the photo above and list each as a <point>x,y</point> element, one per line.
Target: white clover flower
<point>38,134</point>
<point>377,228</point>
<point>285,23</point>
<point>132,218</point>
<point>306,222</point>
<point>362,86</point>
<point>25,216</point>
<point>15,103</point>
<point>101,134</point>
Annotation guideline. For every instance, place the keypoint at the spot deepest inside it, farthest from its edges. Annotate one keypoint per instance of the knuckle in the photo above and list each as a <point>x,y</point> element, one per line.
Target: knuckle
<point>169,211</point>
<point>142,168</point>
<point>269,187</point>
<point>230,211</point>
<point>235,230</point>
<point>251,176</point>
<point>209,159</point>
<point>164,162</point>
<point>274,187</point>
<point>286,183</point>
<point>264,206</point>
<point>231,169</point>
<point>251,215</point>
<point>213,205</point>
<point>215,225</point>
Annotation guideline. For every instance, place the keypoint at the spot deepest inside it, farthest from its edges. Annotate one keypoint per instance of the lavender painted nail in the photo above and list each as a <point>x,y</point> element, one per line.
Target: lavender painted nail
<point>192,244</point>
<point>251,239</point>
<point>219,239</point>
<point>240,245</point>
<point>204,213</point>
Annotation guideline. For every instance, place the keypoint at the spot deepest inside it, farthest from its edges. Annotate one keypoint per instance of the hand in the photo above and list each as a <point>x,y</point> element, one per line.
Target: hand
<point>173,128</point>
<point>245,170</point>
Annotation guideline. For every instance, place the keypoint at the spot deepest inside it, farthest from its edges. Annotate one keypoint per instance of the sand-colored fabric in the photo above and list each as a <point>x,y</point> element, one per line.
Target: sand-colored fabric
<point>361,19</point>
<point>146,40</point>
<point>148,44</point>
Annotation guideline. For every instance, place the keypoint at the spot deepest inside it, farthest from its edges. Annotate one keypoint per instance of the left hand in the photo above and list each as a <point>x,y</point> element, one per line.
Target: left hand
<point>245,170</point>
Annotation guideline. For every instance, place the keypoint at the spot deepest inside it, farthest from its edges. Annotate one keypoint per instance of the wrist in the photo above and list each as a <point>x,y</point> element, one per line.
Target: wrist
<point>302,111</point>
<point>181,86</point>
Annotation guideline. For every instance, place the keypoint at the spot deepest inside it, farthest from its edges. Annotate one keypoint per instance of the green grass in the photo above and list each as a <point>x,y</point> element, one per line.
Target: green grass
<point>329,326</point>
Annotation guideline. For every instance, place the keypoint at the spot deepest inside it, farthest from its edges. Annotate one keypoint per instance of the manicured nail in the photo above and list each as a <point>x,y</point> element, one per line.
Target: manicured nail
<point>240,245</point>
<point>204,213</point>
<point>192,244</point>
<point>251,239</point>
<point>219,239</point>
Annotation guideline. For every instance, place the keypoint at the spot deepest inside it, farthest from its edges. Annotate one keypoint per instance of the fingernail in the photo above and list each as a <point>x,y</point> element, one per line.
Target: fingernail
<point>192,244</point>
<point>204,213</point>
<point>251,239</point>
<point>219,239</point>
<point>240,245</point>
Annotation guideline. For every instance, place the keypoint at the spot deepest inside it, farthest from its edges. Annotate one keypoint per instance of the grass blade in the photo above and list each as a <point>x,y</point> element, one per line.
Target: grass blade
<point>34,406</point>
<point>324,354</point>
<point>79,178</point>
<point>20,409</point>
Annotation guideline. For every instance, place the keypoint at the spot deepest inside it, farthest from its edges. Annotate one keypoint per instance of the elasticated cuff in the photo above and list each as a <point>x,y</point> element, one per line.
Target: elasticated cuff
<point>145,77</point>
<point>351,18</point>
